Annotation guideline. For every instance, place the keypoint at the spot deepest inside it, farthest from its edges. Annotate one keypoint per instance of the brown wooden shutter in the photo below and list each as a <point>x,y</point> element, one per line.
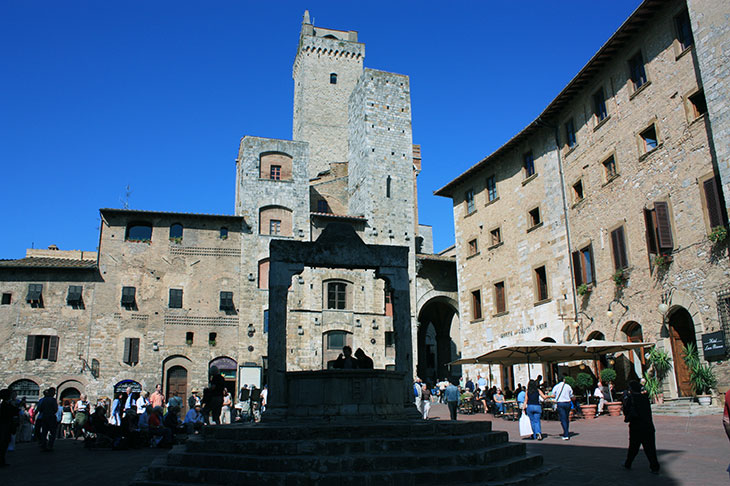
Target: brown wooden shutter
<point>577,269</point>
<point>134,350</point>
<point>651,245</point>
<point>499,297</point>
<point>664,226</point>
<point>29,347</point>
<point>53,349</point>
<point>619,248</point>
<point>125,356</point>
<point>712,199</point>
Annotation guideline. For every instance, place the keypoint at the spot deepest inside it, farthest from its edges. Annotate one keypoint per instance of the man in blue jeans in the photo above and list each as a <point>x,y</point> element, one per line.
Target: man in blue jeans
<point>563,394</point>
<point>452,398</point>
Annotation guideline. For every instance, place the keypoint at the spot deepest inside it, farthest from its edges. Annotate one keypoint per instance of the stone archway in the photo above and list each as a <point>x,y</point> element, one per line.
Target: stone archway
<point>681,333</point>
<point>436,343</point>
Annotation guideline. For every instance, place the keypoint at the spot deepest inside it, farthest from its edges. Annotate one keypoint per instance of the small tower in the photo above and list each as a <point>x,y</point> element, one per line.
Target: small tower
<point>327,67</point>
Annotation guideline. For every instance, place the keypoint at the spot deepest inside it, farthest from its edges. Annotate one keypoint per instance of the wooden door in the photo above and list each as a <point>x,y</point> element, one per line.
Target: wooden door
<point>177,381</point>
<point>681,333</point>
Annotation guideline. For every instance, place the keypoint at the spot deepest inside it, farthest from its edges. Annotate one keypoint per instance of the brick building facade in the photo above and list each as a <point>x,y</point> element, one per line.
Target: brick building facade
<point>169,294</point>
<point>599,211</point>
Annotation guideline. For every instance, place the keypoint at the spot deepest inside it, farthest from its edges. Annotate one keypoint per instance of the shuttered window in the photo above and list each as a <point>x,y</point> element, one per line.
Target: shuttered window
<point>715,210</point>
<point>41,347</point>
<point>659,239</point>
<point>583,266</point>
<point>541,285</point>
<point>618,246</point>
<point>128,297</point>
<point>476,304</point>
<point>500,302</point>
<point>131,351</point>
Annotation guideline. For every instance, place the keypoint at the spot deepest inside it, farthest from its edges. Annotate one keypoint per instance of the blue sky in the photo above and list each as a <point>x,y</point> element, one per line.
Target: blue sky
<point>95,96</point>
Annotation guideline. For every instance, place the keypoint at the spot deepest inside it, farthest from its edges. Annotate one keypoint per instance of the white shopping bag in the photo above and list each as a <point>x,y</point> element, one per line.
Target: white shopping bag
<point>525,427</point>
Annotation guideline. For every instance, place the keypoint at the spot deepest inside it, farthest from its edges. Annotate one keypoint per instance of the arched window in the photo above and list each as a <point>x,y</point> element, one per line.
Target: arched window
<point>27,389</point>
<point>275,166</point>
<point>338,295</point>
<point>275,221</point>
<point>176,232</point>
<point>597,336</point>
<point>333,78</point>
<point>138,232</point>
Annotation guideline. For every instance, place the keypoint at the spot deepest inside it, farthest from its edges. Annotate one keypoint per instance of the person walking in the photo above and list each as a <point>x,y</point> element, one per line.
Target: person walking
<point>425,401</point>
<point>452,399</point>
<point>534,408</point>
<point>47,408</point>
<point>637,412</point>
<point>563,394</point>
<point>226,409</point>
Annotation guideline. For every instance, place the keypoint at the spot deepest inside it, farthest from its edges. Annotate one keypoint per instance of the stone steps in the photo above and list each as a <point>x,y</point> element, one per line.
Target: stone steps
<point>685,407</point>
<point>416,453</point>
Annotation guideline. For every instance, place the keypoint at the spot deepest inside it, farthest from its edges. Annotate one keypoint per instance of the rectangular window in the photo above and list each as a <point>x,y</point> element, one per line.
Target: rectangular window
<point>500,301</point>
<point>570,133</point>
<point>609,168</point>
<point>476,305</point>
<point>35,295</point>
<point>388,303</point>
<point>578,191</point>
<point>528,164</point>
<point>212,337</point>
<point>684,30</point>
<point>637,71</point>
<point>131,351</point>
<point>496,235</point>
<point>189,336</point>
<point>618,247</point>
<point>599,105</point>
<point>716,214</point>
<point>491,188</point>
<point>226,301</point>
<point>176,299</point>
<point>698,104</point>
<point>74,298</point>
<point>649,138</point>
<point>473,247</point>
<point>534,217</point>
<point>389,339</point>
<point>266,321</point>
<point>275,172</point>
<point>658,226</point>
<point>469,197</point>
<point>336,340</point>
<point>6,298</point>
<point>128,298</point>
<point>41,347</point>
<point>583,266</point>
<point>275,227</point>
<point>541,285</point>
<point>336,295</point>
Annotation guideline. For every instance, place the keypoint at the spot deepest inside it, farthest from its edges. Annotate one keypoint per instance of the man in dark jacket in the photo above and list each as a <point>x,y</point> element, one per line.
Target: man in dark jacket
<point>47,408</point>
<point>637,412</point>
<point>8,422</point>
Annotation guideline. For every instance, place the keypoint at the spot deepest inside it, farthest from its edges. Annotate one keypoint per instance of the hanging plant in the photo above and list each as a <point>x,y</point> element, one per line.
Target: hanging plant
<point>662,261</point>
<point>584,289</point>
<point>621,278</point>
<point>718,234</point>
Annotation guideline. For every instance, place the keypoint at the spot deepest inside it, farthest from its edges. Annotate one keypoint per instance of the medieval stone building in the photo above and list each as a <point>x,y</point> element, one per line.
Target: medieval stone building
<point>597,220</point>
<point>169,294</point>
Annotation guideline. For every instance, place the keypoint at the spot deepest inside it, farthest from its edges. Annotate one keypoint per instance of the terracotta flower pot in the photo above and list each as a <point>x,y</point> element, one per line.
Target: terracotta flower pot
<point>614,408</point>
<point>589,411</point>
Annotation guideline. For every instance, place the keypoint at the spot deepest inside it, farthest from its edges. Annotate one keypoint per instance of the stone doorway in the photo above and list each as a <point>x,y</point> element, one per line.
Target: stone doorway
<point>681,333</point>
<point>177,382</point>
<point>435,341</point>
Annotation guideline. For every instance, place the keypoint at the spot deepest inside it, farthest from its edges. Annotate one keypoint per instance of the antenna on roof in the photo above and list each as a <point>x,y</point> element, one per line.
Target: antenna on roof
<point>125,199</point>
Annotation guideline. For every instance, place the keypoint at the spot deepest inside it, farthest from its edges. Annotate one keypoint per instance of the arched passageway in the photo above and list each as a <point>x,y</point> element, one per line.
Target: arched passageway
<point>437,338</point>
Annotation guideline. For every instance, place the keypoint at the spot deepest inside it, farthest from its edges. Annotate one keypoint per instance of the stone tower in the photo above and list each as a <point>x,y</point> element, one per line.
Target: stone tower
<point>327,67</point>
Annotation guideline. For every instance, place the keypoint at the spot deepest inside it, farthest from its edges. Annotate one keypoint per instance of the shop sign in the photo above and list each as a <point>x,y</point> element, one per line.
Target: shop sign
<point>713,345</point>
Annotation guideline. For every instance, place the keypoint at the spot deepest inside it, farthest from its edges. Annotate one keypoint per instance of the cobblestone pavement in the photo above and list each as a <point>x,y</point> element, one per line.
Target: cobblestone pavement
<point>691,450</point>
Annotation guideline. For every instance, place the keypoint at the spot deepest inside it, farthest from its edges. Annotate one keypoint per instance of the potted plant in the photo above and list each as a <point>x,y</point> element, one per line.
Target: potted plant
<point>661,364</point>
<point>662,261</point>
<point>608,376</point>
<point>584,289</point>
<point>718,234</point>
<point>621,278</point>
<point>653,388</point>
<point>176,239</point>
<point>701,376</point>
<point>584,381</point>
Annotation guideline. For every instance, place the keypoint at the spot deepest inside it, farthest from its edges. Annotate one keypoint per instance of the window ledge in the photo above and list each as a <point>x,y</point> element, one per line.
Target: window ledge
<point>646,155</point>
<point>541,302</point>
<point>500,314</point>
<point>578,203</point>
<point>698,119</point>
<point>570,150</point>
<point>538,225</point>
<point>531,178</point>
<point>642,88</point>
<point>685,51</point>
<point>289,181</point>
<point>470,213</point>
<point>602,122</point>
<point>611,179</point>
<point>496,245</point>
<point>489,203</point>
<point>477,320</point>
<point>472,255</point>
